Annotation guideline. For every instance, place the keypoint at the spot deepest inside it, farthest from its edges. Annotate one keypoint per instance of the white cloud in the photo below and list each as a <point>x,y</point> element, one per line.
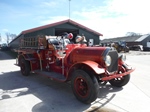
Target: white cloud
<point>118,17</point>
<point>130,7</point>
<point>114,19</point>
<point>5,30</point>
<point>49,4</point>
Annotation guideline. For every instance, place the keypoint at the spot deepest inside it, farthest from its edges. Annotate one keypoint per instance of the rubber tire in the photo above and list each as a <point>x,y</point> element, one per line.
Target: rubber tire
<point>122,82</point>
<point>92,85</point>
<point>24,67</point>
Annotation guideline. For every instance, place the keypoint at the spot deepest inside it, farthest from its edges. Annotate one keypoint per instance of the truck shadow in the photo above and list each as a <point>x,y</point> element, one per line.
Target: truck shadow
<point>54,96</point>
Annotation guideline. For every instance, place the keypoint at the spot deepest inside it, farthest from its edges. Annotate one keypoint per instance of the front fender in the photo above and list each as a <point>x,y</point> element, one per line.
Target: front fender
<point>91,64</point>
<point>95,66</point>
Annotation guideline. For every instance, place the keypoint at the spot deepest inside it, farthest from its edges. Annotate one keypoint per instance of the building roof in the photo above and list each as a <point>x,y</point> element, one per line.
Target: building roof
<point>142,38</point>
<point>126,38</point>
<point>59,23</point>
<point>55,24</point>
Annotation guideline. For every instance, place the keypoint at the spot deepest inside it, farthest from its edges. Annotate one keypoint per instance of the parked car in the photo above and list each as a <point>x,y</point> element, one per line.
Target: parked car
<point>136,47</point>
<point>146,48</point>
<point>4,47</point>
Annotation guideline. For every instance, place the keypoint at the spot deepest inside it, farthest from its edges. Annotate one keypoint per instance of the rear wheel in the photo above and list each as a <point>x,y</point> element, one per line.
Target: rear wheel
<point>121,81</point>
<point>84,87</point>
<point>25,67</point>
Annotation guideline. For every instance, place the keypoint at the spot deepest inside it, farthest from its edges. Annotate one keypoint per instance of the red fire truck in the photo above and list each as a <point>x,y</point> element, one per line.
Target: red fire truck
<point>85,67</point>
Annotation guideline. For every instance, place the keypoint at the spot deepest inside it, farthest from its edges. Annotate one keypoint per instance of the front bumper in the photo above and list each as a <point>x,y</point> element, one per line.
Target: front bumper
<point>117,75</point>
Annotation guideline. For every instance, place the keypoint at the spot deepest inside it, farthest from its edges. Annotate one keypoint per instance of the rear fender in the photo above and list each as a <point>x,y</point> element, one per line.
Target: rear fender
<point>20,57</point>
<point>25,56</point>
<point>30,59</point>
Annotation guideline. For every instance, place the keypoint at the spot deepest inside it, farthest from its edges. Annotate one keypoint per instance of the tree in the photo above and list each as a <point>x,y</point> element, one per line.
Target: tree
<point>7,35</point>
<point>10,37</point>
<point>132,34</point>
<point>13,36</point>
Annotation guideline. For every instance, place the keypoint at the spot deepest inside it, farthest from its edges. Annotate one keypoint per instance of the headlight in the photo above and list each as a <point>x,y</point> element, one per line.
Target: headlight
<point>108,60</point>
<point>123,57</point>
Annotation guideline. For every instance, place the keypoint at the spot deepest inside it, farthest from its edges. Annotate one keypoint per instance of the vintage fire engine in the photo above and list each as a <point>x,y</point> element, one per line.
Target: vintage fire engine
<point>86,68</point>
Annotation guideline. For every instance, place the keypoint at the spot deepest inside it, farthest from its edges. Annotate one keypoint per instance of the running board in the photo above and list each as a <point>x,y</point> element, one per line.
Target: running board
<point>52,75</point>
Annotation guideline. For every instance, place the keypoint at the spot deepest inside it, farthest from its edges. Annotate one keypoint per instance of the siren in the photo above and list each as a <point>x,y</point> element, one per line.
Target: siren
<point>70,36</point>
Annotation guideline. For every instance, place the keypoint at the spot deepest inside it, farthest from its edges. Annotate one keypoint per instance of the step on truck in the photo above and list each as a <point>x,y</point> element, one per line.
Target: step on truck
<point>86,68</point>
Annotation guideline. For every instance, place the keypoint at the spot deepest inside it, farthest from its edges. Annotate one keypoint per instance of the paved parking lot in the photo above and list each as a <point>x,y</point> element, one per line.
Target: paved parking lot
<point>39,94</point>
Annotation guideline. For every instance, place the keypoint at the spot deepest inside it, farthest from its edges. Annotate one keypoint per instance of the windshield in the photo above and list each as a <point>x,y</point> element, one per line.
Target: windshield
<point>53,41</point>
<point>57,42</point>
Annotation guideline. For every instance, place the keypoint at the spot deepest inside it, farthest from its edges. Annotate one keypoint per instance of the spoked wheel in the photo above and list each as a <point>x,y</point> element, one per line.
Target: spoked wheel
<point>84,87</point>
<point>121,81</point>
<point>25,67</point>
<point>81,86</point>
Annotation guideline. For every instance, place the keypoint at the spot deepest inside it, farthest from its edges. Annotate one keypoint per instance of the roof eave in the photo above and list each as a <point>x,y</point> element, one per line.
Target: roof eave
<point>58,23</point>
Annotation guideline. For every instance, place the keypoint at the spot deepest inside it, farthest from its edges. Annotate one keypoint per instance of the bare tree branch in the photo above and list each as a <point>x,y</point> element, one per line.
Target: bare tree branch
<point>10,37</point>
<point>7,35</point>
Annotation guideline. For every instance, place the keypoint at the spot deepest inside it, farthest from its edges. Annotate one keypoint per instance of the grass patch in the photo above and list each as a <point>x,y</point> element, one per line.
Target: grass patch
<point>11,53</point>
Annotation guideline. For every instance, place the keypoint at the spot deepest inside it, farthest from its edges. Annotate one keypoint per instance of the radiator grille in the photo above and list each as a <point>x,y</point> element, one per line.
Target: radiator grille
<point>114,61</point>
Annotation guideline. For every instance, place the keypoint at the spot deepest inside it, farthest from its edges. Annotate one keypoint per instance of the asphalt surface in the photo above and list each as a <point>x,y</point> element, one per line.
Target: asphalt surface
<point>36,93</point>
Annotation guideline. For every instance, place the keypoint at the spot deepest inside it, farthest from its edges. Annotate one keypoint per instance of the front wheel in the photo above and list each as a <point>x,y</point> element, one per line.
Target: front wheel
<point>121,81</point>
<point>84,87</point>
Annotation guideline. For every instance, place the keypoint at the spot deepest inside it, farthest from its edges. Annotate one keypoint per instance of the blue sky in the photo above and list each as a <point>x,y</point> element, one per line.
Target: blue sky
<point>112,18</point>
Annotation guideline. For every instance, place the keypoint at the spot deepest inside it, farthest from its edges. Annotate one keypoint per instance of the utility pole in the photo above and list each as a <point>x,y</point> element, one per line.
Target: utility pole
<point>69,9</point>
